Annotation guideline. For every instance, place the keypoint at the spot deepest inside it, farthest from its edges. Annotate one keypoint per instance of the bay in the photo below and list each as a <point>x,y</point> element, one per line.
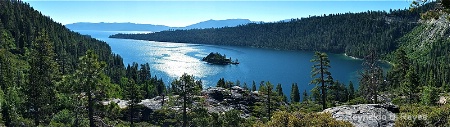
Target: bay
<point>170,60</point>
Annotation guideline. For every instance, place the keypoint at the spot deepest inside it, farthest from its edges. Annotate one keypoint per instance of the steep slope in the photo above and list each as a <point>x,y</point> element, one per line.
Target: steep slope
<point>20,26</point>
<point>351,33</point>
<point>427,47</point>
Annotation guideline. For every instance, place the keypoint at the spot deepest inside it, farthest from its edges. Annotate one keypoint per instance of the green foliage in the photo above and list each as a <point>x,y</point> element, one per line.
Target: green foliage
<point>279,92</point>
<point>43,77</point>
<point>351,91</point>
<point>429,95</point>
<point>186,87</point>
<point>358,100</point>
<point>253,86</point>
<point>164,117</point>
<point>298,119</point>
<point>320,68</point>
<point>295,94</point>
<point>221,83</point>
<point>113,111</point>
<point>134,94</point>
<point>11,106</point>
<point>421,115</point>
<point>63,118</point>
<point>89,73</point>
<point>199,117</point>
<point>411,85</point>
<point>397,74</point>
<point>306,98</point>
<point>315,94</point>
<point>305,107</point>
<point>232,118</point>
<point>38,52</point>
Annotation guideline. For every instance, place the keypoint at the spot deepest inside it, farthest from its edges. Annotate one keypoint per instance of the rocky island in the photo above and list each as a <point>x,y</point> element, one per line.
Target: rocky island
<point>217,58</point>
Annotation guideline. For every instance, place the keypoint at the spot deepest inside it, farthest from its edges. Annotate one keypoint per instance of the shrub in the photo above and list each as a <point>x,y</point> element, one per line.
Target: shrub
<point>298,119</point>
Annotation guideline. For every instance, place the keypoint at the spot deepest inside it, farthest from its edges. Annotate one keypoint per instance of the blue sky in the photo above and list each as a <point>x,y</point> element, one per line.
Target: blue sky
<point>183,13</point>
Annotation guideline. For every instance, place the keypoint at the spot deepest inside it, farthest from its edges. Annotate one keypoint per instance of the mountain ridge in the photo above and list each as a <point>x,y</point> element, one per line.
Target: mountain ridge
<point>128,26</point>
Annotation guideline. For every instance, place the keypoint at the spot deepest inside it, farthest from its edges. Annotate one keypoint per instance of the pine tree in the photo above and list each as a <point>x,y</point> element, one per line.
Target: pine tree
<point>280,93</point>
<point>253,86</point>
<point>245,86</point>
<point>279,90</point>
<point>411,84</point>
<point>295,94</point>
<point>429,95</point>
<point>134,94</point>
<point>398,72</point>
<point>11,106</point>
<point>305,96</point>
<point>43,77</point>
<point>186,87</point>
<point>320,67</point>
<point>221,83</point>
<point>89,73</point>
<point>351,89</point>
<point>269,92</point>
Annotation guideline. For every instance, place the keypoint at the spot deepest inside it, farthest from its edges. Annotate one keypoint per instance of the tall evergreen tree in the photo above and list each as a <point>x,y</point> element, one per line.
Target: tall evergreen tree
<point>245,86</point>
<point>89,73</point>
<point>43,76</point>
<point>221,83</point>
<point>305,96</point>
<point>134,94</point>
<point>279,90</point>
<point>295,93</point>
<point>398,72</point>
<point>320,67</point>
<point>269,92</point>
<point>186,87</point>
<point>411,84</point>
<point>351,89</point>
<point>280,93</point>
<point>253,86</point>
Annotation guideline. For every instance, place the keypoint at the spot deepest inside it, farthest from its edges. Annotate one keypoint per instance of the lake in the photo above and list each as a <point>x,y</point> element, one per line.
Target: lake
<point>170,60</point>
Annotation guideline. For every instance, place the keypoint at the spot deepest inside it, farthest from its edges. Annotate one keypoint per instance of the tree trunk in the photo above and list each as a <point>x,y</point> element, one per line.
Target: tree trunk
<point>268,99</point>
<point>184,111</point>
<point>324,105</point>
<point>91,110</point>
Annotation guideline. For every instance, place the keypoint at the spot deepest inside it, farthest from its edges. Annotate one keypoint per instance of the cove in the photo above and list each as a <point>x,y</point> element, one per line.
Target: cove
<point>170,60</point>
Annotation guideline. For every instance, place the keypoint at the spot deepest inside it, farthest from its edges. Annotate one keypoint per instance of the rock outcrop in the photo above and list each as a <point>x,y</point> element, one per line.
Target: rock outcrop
<point>217,100</point>
<point>220,100</point>
<point>365,115</point>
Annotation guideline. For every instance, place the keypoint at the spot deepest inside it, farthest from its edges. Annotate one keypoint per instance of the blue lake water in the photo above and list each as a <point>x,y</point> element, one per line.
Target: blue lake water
<point>170,60</point>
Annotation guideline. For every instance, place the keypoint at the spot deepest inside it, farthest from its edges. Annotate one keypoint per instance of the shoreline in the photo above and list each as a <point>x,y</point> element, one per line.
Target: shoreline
<point>352,57</point>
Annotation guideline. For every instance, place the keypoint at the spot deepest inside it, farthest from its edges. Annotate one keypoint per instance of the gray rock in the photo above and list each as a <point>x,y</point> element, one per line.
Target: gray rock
<point>364,115</point>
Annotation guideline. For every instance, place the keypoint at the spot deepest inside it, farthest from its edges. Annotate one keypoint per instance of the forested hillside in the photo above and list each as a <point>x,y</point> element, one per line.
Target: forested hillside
<point>425,50</point>
<point>37,55</point>
<point>21,26</point>
<point>351,33</point>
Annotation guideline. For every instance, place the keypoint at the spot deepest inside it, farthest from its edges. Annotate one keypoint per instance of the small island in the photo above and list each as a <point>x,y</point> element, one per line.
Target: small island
<point>217,58</point>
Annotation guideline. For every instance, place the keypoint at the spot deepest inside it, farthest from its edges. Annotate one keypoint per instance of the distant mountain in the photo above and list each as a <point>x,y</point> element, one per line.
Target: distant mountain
<point>218,23</point>
<point>116,26</point>
<point>154,28</point>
